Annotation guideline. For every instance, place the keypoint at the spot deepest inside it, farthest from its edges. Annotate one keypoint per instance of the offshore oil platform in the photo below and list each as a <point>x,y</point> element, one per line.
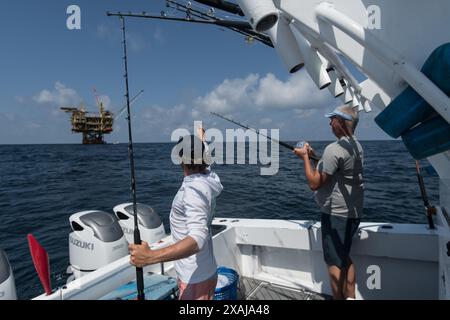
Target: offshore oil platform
<point>93,126</point>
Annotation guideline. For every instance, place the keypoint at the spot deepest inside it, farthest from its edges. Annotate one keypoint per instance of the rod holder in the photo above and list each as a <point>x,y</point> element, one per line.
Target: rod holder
<point>286,46</point>
<point>261,14</point>
<point>347,97</point>
<point>313,63</point>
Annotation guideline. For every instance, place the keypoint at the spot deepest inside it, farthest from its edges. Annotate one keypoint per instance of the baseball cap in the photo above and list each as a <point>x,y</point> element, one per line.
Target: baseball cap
<point>192,150</point>
<point>338,113</point>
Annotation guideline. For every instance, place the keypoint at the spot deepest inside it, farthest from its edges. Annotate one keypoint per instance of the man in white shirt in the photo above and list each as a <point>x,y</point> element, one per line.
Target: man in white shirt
<point>190,219</point>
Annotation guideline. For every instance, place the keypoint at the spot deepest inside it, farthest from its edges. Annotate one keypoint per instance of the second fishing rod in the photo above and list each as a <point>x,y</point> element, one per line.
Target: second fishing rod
<point>281,143</point>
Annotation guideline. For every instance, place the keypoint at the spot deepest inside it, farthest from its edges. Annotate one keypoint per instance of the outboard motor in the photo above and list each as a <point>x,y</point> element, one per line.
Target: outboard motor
<point>150,224</point>
<point>97,240</point>
<point>7,285</point>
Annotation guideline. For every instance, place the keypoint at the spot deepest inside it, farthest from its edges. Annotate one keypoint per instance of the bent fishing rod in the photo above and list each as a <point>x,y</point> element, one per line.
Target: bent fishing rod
<point>281,143</point>
<point>137,234</point>
<point>429,209</point>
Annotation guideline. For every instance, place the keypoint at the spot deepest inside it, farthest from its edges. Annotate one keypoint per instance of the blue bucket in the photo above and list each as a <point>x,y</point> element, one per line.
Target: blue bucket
<point>227,284</point>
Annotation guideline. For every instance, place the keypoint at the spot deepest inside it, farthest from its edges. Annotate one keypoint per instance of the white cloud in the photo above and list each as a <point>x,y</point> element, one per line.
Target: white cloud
<point>229,95</point>
<point>159,122</point>
<point>60,95</point>
<point>295,106</point>
<point>255,100</point>
<point>297,92</point>
<point>263,93</point>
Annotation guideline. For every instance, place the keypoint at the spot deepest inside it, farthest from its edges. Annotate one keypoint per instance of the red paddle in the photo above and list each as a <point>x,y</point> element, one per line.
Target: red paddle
<point>41,263</point>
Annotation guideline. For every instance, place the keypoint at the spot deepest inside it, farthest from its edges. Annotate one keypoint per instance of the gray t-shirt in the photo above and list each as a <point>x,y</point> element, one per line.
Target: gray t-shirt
<point>343,194</point>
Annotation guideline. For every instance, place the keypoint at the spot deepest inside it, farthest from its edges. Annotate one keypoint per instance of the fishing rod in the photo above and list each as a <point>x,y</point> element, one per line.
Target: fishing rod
<point>223,5</point>
<point>281,143</point>
<point>137,234</point>
<point>430,210</point>
<point>244,28</point>
<point>222,23</point>
<point>241,27</point>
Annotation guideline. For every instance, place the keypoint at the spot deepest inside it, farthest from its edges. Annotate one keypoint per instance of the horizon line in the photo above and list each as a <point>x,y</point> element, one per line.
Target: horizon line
<point>156,142</point>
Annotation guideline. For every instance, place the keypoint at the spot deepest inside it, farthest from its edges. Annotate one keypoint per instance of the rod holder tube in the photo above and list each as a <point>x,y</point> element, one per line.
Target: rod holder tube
<point>313,63</point>
<point>286,45</point>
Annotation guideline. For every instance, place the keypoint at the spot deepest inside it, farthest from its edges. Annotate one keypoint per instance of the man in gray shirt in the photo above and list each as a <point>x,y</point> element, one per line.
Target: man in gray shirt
<point>339,191</point>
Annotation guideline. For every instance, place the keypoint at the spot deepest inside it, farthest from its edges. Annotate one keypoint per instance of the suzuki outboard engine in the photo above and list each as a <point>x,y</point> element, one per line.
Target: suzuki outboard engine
<point>150,224</point>
<point>7,285</point>
<point>97,240</point>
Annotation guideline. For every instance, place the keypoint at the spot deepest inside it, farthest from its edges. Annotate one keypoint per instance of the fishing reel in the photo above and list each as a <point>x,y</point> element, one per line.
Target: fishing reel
<point>300,144</point>
<point>312,154</point>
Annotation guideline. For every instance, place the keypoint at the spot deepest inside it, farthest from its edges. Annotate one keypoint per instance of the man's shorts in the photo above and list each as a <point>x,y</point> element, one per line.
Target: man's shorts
<point>337,236</point>
<point>198,291</point>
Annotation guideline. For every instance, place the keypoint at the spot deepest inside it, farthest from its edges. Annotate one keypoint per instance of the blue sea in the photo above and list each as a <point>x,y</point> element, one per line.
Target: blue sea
<point>42,185</point>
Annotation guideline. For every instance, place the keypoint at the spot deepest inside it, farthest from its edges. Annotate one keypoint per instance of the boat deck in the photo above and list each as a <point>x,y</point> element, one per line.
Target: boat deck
<point>252,289</point>
<point>159,287</point>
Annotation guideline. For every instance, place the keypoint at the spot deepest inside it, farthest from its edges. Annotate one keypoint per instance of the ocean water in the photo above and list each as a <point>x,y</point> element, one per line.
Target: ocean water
<point>42,185</point>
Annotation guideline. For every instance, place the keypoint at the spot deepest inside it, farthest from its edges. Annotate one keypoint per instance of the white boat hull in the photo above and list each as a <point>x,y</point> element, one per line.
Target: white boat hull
<point>393,261</point>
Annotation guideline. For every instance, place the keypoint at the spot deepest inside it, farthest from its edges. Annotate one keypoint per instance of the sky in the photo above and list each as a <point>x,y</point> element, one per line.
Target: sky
<point>186,70</point>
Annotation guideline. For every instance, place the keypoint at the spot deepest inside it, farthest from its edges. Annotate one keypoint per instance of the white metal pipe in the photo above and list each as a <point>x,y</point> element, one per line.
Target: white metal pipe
<point>286,45</point>
<point>329,53</point>
<point>416,79</point>
<point>356,102</point>
<point>335,87</point>
<point>347,97</point>
<point>313,63</point>
<point>366,104</point>
<point>261,14</point>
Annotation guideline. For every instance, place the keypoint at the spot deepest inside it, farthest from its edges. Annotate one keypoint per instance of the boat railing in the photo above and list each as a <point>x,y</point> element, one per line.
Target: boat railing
<point>406,70</point>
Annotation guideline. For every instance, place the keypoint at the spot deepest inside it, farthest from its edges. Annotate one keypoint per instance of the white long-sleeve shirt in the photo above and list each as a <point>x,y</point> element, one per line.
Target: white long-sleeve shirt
<point>191,216</point>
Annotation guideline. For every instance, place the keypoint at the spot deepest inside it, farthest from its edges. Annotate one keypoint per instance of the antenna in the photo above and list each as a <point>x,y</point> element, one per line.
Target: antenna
<point>98,101</point>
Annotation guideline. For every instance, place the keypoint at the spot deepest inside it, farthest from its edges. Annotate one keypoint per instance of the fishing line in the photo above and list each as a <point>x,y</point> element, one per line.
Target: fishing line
<point>281,143</point>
